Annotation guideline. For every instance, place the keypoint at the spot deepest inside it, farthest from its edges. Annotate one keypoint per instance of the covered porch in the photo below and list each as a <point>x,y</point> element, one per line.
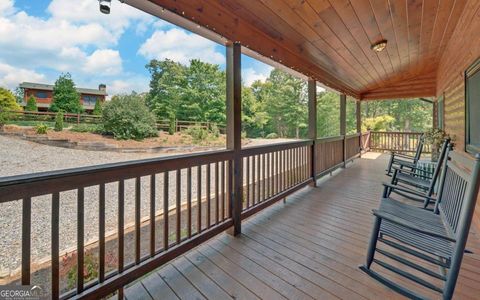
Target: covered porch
<point>175,245</point>
<point>307,247</point>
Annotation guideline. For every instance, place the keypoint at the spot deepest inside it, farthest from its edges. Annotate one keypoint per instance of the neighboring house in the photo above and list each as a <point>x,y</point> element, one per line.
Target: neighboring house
<point>43,93</point>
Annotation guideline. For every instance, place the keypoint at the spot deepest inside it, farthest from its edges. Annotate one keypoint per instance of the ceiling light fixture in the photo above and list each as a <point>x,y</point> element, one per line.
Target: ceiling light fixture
<point>379,46</point>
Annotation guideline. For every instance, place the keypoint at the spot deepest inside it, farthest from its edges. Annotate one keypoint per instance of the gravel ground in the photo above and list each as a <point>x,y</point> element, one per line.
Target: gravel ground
<point>21,157</point>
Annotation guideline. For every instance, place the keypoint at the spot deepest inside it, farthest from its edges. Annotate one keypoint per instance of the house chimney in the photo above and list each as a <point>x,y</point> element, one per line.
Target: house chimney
<point>102,87</point>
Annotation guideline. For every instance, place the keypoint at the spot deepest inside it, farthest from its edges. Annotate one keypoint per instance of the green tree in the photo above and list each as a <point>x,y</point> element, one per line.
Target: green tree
<point>8,100</point>
<point>31,104</point>
<point>127,117</point>
<point>58,121</point>
<point>65,95</point>
<point>97,110</point>
<point>328,114</point>
<point>19,94</point>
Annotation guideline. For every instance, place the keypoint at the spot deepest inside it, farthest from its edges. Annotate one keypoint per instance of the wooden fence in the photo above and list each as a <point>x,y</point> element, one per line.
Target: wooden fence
<point>45,116</point>
<point>189,199</point>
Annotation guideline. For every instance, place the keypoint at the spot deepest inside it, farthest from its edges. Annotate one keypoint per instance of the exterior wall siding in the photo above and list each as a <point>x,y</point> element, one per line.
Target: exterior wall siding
<point>462,50</point>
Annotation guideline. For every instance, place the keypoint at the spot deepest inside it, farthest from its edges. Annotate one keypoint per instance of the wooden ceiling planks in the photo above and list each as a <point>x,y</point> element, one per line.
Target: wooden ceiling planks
<point>330,40</point>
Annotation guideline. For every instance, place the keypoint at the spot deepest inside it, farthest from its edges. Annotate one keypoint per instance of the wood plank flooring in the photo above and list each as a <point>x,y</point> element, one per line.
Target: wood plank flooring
<point>308,248</point>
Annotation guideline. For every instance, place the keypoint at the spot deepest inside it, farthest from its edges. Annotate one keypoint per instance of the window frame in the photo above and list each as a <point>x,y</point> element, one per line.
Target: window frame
<point>37,93</point>
<point>472,70</point>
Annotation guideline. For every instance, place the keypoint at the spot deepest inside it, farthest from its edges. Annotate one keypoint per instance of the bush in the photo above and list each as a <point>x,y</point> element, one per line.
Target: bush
<point>214,130</point>
<point>272,135</point>
<point>41,128</point>
<point>171,126</point>
<point>97,110</point>
<point>4,117</point>
<point>8,100</point>
<point>197,133</point>
<point>31,104</point>
<point>93,128</point>
<point>127,117</point>
<point>58,121</point>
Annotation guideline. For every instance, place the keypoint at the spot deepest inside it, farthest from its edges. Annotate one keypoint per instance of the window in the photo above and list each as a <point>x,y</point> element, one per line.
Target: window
<point>41,95</point>
<point>89,100</point>
<point>440,111</point>
<point>472,108</point>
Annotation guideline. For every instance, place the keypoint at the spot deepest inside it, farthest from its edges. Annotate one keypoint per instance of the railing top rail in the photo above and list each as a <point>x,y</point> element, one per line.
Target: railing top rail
<point>330,139</point>
<point>36,184</point>
<point>399,132</point>
<point>259,149</point>
<point>357,134</point>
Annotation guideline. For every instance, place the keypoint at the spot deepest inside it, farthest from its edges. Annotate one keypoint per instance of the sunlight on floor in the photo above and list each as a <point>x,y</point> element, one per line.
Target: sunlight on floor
<point>371,155</point>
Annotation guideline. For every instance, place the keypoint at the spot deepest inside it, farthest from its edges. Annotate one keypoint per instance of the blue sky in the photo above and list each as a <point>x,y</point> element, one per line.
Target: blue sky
<point>40,39</point>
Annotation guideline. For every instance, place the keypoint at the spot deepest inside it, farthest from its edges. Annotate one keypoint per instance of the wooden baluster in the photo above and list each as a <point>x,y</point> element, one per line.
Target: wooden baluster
<point>153,185</point>
<point>199,199</point>
<point>253,180</point>
<point>208,196</point>
<point>217,196</point>
<point>26,239</point>
<point>101,234</point>
<point>189,202</point>
<point>263,178</point>
<point>137,219</point>
<point>222,180</point>
<point>259,180</point>
<point>55,248</point>
<point>121,228</point>
<point>165,211</point>
<point>247,184</point>
<point>80,238</point>
<point>178,206</point>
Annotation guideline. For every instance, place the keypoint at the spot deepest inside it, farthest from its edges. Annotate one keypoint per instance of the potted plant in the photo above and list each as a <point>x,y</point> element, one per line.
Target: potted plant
<point>435,137</point>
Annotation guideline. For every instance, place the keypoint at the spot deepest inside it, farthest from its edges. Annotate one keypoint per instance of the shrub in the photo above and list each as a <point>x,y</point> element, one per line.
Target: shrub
<point>214,130</point>
<point>171,126</point>
<point>94,128</point>
<point>58,121</point>
<point>97,110</point>
<point>197,133</point>
<point>4,117</point>
<point>31,104</point>
<point>41,128</point>
<point>127,117</point>
<point>272,135</point>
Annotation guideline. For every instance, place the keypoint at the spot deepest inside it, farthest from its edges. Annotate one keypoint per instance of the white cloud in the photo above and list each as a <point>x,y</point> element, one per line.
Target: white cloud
<point>251,75</point>
<point>10,76</point>
<point>180,46</point>
<point>105,62</point>
<point>138,84</point>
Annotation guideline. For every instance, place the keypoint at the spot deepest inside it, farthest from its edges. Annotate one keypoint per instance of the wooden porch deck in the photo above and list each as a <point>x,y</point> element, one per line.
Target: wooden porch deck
<point>310,247</point>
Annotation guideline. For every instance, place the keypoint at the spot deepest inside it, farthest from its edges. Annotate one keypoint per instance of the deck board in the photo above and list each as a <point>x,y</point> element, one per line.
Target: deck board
<point>309,247</point>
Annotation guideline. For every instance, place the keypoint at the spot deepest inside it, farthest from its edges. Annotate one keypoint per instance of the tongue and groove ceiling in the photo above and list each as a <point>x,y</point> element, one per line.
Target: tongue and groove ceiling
<point>330,40</point>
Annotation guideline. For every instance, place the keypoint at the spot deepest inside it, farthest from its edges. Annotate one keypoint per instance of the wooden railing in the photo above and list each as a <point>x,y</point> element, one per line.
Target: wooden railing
<point>176,203</point>
<point>395,141</point>
<point>352,145</point>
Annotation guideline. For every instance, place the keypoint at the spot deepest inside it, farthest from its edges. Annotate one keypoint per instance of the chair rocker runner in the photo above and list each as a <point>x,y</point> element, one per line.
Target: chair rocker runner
<point>436,239</point>
<point>419,183</point>
<point>405,161</point>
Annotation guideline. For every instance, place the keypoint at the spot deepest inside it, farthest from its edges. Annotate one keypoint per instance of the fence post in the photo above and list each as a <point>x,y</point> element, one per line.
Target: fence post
<point>343,125</point>
<point>312,126</point>
<point>234,131</point>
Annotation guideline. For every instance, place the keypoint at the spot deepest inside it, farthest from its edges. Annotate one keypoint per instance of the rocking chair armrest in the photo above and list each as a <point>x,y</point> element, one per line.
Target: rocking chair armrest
<point>408,172</point>
<point>412,168</point>
<point>407,190</point>
<point>403,155</point>
<point>404,223</point>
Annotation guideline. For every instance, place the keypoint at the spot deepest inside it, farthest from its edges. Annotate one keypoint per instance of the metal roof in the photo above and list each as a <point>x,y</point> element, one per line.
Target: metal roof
<point>49,87</point>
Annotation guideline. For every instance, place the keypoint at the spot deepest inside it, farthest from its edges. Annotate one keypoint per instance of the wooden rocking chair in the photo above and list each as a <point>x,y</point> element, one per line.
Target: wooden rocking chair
<point>421,183</point>
<point>438,238</point>
<point>404,160</point>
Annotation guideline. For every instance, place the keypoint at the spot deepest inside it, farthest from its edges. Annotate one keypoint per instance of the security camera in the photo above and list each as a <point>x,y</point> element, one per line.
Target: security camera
<point>105,6</point>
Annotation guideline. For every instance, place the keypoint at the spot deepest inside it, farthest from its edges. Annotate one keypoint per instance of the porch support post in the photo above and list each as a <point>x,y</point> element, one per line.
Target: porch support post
<point>234,131</point>
<point>435,113</point>
<point>343,125</point>
<point>359,124</point>
<point>312,126</point>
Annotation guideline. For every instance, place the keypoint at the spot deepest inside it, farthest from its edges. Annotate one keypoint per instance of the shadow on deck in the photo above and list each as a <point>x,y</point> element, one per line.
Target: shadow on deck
<point>309,247</point>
